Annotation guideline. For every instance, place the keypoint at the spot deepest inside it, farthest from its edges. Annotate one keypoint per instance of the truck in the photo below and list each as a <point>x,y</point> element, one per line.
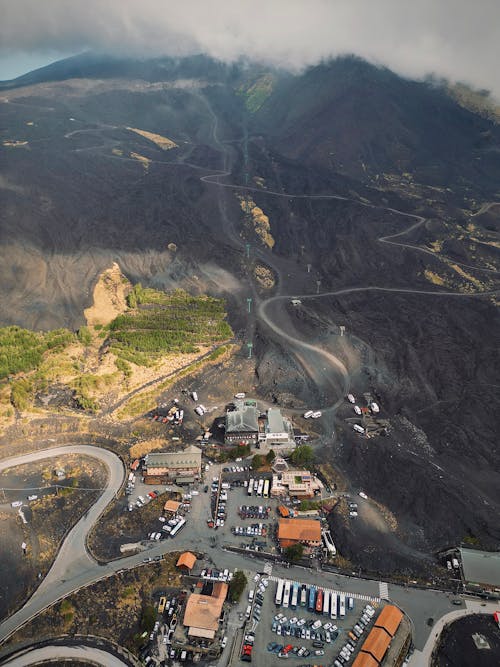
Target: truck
<point>194,396</point>
<point>266,488</point>
<point>358,428</point>
<point>303,596</point>
<point>308,414</point>
<point>328,542</point>
<point>260,487</point>
<point>250,487</point>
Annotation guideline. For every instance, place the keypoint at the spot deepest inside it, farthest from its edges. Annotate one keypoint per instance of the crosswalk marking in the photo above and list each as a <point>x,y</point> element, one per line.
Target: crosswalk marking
<point>357,596</point>
<point>268,568</point>
<point>383,590</point>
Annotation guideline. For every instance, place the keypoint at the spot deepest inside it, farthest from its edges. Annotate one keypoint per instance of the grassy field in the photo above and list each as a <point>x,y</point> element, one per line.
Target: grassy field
<point>158,333</point>
<point>160,323</point>
<point>22,350</point>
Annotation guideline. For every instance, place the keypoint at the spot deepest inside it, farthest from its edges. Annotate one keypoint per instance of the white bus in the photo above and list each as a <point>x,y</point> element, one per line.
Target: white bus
<point>177,527</point>
<point>260,487</point>
<point>295,596</point>
<point>266,488</point>
<point>286,595</point>
<point>279,593</point>
<point>333,607</point>
<point>250,487</point>
<point>342,605</point>
<point>326,603</point>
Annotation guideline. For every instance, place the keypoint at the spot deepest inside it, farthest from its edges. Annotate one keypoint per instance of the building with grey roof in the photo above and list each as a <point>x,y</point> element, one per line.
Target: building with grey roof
<point>481,569</point>
<point>181,467</point>
<point>242,424</point>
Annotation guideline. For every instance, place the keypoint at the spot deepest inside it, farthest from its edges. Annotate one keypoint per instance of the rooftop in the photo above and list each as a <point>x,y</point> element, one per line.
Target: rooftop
<point>377,643</point>
<point>243,419</point>
<point>299,530</point>
<point>203,611</point>
<point>187,559</point>
<point>275,421</point>
<point>364,660</point>
<point>481,567</point>
<point>389,619</point>
<point>171,506</point>
<point>189,457</point>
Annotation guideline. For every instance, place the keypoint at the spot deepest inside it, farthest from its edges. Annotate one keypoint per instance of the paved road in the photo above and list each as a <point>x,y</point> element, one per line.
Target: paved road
<point>422,658</point>
<point>72,563</point>
<point>84,653</point>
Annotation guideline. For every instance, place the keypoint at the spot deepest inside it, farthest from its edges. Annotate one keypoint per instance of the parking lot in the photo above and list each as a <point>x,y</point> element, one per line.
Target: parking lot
<point>253,527</point>
<point>300,621</point>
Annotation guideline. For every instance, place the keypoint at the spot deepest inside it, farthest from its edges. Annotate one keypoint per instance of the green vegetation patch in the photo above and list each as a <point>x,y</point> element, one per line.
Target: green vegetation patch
<point>22,350</point>
<point>159,323</point>
<point>257,92</point>
<point>237,586</point>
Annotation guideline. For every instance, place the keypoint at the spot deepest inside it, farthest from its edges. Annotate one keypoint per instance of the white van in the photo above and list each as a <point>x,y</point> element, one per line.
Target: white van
<point>248,611</point>
<point>251,594</point>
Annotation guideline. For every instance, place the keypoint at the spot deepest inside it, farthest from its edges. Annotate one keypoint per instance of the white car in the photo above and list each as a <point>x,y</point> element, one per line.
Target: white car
<point>357,409</point>
<point>17,503</point>
<point>240,395</point>
<point>223,642</point>
<point>351,398</point>
<point>308,414</point>
<point>316,415</point>
<point>362,494</point>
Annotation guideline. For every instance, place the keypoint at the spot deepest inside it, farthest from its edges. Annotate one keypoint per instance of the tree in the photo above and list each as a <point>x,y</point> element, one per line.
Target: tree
<point>302,456</point>
<point>237,586</point>
<point>294,552</point>
<point>270,456</point>
<point>257,462</point>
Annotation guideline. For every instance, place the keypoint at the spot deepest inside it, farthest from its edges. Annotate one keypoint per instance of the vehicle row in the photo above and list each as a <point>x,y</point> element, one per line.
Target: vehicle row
<point>325,602</point>
<point>254,511</point>
<point>357,631</point>
<point>256,529</point>
<point>216,575</point>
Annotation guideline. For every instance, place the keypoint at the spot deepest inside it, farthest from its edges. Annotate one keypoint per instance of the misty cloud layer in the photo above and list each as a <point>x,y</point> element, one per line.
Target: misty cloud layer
<point>456,39</point>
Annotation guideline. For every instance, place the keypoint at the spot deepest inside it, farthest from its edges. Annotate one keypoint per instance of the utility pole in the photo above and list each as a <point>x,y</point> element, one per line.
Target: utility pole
<point>249,303</point>
<point>247,246</point>
<point>249,345</point>
<point>318,284</point>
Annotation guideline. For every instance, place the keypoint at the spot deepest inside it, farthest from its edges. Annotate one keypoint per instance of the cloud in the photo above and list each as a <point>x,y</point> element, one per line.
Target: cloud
<point>456,39</point>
